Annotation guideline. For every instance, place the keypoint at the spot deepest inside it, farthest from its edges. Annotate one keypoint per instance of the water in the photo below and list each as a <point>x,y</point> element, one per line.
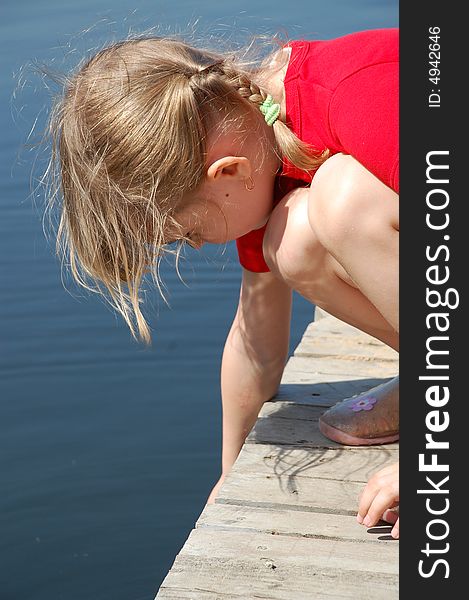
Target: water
<point>109,450</point>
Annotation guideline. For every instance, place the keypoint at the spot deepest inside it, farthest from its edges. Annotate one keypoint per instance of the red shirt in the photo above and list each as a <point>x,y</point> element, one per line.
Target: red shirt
<point>340,94</point>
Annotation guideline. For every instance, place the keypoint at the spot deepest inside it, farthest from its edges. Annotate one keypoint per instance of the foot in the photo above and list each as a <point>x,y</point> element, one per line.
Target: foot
<point>367,419</point>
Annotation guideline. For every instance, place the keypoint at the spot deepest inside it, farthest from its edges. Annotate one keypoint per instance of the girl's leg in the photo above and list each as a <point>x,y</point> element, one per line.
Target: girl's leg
<point>310,258</point>
<point>356,218</point>
<point>298,254</point>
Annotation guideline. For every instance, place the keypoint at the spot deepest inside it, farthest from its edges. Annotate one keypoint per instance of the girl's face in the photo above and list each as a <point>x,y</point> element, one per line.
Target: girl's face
<point>225,217</point>
<point>230,209</point>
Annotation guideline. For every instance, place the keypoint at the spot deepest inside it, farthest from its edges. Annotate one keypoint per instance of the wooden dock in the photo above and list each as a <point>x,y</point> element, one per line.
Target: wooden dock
<point>283,526</point>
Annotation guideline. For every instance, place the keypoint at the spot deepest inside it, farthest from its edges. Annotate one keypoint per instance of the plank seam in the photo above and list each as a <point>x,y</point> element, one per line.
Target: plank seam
<point>281,505</point>
<point>306,444</point>
<point>291,534</point>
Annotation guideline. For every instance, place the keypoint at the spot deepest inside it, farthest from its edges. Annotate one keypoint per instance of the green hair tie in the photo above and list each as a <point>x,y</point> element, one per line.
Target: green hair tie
<point>270,109</point>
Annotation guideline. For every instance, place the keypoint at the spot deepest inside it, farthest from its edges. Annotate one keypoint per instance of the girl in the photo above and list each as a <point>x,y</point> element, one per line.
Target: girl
<point>156,141</point>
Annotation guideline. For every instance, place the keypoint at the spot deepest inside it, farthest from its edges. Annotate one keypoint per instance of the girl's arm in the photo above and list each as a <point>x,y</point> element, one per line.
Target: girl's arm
<point>254,357</point>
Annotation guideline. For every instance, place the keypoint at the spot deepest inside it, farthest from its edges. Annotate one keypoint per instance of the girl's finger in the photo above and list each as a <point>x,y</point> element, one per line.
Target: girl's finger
<point>383,500</point>
<point>395,530</point>
<point>386,478</point>
<point>367,497</point>
<point>390,516</point>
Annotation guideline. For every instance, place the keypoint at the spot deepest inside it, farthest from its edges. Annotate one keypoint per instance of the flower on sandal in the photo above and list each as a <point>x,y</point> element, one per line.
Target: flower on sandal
<point>366,403</point>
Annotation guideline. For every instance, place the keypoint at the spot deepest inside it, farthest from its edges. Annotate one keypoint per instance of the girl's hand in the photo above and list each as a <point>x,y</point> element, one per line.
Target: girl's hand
<point>381,494</point>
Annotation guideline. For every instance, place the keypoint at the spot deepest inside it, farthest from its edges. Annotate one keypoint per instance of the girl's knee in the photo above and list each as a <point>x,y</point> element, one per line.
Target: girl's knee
<point>347,201</point>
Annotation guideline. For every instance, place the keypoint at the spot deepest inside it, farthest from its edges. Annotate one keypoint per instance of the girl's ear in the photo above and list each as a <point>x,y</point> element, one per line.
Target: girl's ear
<point>237,167</point>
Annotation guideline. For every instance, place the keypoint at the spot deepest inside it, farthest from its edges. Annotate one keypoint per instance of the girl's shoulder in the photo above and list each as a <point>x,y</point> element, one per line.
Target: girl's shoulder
<point>383,35</point>
<point>330,61</point>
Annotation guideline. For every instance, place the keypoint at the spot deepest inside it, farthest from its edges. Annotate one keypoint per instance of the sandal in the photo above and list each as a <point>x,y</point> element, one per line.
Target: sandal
<point>367,419</point>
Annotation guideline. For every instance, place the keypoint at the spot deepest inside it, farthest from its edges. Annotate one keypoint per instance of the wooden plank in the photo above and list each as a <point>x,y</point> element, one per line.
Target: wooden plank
<point>278,567</point>
<point>283,526</point>
<point>324,393</point>
<point>302,365</point>
<point>293,432</point>
<point>291,410</point>
<point>194,579</point>
<point>349,347</point>
<point>286,463</point>
<point>294,377</point>
<point>334,330</point>
<point>285,550</point>
<point>332,324</point>
<point>177,593</point>
<point>309,378</point>
<point>299,493</point>
<point>228,578</point>
<point>280,521</point>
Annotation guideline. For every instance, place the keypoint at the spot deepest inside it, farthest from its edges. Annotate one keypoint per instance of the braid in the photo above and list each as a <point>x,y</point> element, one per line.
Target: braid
<point>295,150</point>
<point>243,84</point>
<point>299,153</point>
<point>250,90</point>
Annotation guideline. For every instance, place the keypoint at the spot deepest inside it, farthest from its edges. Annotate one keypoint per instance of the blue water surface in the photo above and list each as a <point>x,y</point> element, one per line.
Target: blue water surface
<point>108,449</point>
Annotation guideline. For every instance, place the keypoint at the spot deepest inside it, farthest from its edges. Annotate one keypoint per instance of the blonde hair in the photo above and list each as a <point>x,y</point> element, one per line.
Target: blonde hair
<point>128,140</point>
